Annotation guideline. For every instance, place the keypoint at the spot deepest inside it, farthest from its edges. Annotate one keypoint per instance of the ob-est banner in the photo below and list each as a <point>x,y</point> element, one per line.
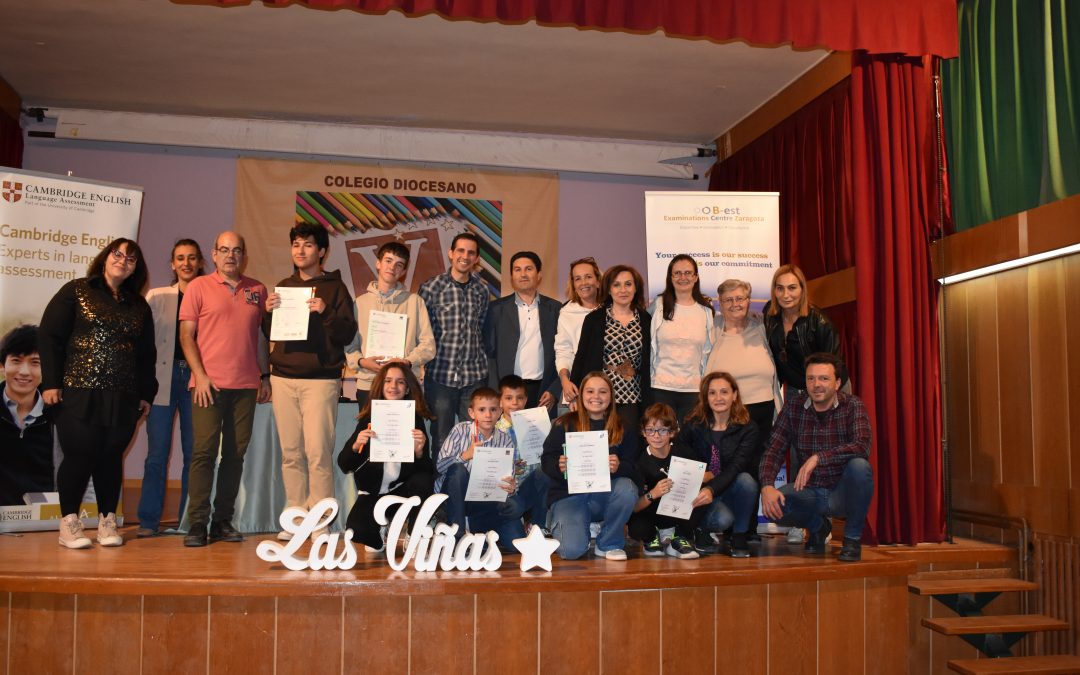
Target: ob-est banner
<point>731,235</point>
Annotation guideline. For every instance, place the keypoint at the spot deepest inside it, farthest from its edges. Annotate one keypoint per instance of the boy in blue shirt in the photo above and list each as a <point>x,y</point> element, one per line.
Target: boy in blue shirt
<point>455,462</point>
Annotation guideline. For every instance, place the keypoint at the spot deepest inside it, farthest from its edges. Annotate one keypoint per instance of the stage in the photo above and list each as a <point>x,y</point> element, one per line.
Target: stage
<point>154,606</point>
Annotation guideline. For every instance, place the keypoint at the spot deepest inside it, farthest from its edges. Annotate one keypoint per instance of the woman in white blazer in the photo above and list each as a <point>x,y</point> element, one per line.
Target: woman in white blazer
<point>173,396</point>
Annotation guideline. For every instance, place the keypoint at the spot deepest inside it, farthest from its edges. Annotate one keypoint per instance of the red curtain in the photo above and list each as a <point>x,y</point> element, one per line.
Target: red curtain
<point>895,208</point>
<point>806,159</point>
<point>11,142</point>
<point>912,27</point>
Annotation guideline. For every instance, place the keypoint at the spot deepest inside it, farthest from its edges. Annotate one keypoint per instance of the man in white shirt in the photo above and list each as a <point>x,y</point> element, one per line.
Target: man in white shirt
<point>519,333</point>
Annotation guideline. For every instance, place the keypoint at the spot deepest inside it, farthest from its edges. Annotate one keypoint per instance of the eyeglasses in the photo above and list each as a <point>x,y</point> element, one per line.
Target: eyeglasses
<point>683,273</point>
<point>737,300</point>
<point>224,250</point>
<point>658,431</point>
<point>117,254</point>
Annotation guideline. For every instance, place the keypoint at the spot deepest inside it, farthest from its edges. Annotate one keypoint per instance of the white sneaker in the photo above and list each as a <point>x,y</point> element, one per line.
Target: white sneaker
<point>284,535</point>
<point>613,554</point>
<point>71,532</point>
<point>106,531</point>
<point>374,551</point>
<point>796,535</point>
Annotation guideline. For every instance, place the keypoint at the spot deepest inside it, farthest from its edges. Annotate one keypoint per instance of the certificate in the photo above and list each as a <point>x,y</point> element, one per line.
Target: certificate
<point>490,466</point>
<point>386,334</point>
<point>587,466</point>
<point>531,428</point>
<point>686,474</point>
<point>392,422</point>
<point>290,319</point>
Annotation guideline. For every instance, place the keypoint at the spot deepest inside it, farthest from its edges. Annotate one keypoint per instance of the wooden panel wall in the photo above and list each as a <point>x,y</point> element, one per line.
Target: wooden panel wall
<point>837,626</point>
<point>1012,392</point>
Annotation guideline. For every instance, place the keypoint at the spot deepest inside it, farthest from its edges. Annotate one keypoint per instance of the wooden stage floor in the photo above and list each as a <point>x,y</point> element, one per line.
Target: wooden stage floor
<point>162,565</point>
<point>164,608</point>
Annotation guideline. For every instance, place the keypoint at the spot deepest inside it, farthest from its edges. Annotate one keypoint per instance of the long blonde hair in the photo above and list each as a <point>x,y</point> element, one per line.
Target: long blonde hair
<point>804,302</point>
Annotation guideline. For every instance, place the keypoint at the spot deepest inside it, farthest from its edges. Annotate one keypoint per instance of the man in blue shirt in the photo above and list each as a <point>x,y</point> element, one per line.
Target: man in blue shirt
<point>457,303</point>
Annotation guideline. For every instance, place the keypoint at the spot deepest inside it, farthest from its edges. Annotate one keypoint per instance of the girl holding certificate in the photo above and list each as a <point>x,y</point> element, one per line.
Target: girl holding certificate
<point>393,382</point>
<point>720,433</point>
<point>570,512</point>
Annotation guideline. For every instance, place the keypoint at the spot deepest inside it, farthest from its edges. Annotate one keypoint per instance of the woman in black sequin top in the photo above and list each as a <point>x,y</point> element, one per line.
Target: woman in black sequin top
<point>97,366</point>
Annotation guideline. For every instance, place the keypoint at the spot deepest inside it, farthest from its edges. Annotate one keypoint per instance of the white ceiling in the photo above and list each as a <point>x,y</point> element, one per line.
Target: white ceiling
<point>297,63</point>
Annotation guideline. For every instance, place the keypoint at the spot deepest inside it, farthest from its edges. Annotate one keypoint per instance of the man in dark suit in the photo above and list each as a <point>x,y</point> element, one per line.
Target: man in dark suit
<point>519,333</point>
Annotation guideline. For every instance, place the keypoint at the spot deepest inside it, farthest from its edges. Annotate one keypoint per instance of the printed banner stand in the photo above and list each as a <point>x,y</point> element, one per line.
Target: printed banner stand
<point>731,235</point>
<point>51,228</point>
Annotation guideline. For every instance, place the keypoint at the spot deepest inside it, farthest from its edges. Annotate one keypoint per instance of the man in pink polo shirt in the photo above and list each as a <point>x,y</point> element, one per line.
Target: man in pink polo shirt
<point>219,332</point>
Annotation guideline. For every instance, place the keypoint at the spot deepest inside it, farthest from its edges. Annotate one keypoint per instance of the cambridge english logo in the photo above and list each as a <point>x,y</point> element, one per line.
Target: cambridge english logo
<point>12,191</point>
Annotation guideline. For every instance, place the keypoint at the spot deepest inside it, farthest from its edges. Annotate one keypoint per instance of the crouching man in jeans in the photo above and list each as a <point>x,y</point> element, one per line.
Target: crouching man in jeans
<point>830,434</point>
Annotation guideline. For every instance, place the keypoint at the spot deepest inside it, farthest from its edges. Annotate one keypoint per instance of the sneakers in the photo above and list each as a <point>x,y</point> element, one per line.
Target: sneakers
<point>653,548</point>
<point>196,535</point>
<point>851,551</point>
<point>666,533</point>
<point>815,543</point>
<point>71,532</point>
<point>106,531</point>
<point>224,531</point>
<point>703,542</point>
<point>739,547</point>
<point>680,548</point>
<point>613,554</point>
<point>796,535</point>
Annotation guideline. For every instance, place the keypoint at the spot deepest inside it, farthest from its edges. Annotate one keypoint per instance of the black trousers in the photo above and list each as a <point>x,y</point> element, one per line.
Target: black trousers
<point>361,518</point>
<point>90,451</point>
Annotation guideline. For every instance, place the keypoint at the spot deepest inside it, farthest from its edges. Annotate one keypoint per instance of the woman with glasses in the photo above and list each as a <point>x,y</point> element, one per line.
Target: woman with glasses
<point>720,433</point>
<point>740,348</point>
<point>615,341</point>
<point>97,365</point>
<point>583,289</point>
<point>173,376</point>
<point>681,336</point>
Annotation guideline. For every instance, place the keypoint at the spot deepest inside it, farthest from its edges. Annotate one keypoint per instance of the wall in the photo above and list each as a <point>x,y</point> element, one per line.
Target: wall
<point>1011,345</point>
<point>189,192</point>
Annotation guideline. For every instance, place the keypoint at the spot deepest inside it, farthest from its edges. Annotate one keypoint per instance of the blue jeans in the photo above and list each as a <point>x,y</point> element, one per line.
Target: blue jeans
<point>850,499</point>
<point>733,507</point>
<point>159,435</point>
<point>483,516</point>
<point>531,496</point>
<point>569,518</point>
<point>449,405</point>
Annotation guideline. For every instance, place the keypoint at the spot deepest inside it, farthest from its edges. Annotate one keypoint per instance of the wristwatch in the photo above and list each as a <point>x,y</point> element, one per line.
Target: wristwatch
<point>648,495</point>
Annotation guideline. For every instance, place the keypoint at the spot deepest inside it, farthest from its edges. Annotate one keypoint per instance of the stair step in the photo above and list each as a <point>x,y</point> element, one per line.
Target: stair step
<point>950,586</point>
<point>981,573</point>
<point>1017,665</point>
<point>1006,623</point>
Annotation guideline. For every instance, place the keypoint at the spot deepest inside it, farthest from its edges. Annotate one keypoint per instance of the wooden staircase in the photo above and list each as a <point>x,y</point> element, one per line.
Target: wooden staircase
<point>994,636</point>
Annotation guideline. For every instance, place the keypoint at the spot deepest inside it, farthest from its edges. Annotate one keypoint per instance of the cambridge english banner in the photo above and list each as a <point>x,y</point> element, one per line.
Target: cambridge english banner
<point>731,235</point>
<point>366,205</point>
<point>51,227</point>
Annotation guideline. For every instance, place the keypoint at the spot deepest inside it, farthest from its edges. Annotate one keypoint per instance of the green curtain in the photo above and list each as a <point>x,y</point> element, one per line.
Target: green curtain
<point>1012,107</point>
